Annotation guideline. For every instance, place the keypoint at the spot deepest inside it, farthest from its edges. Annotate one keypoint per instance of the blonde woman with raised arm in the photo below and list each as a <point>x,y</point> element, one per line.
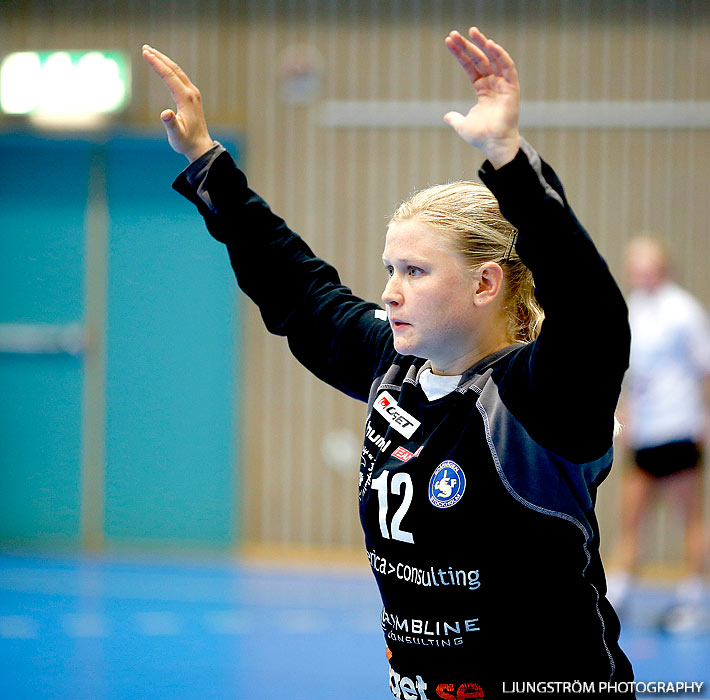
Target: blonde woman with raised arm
<point>487,429</point>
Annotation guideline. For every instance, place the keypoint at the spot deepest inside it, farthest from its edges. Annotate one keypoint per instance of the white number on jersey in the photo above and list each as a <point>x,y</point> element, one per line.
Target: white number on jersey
<point>380,485</point>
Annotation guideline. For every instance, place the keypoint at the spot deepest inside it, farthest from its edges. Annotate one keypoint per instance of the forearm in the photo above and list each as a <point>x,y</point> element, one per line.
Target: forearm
<point>569,272</point>
<point>332,332</point>
<point>576,365</point>
<point>273,265</point>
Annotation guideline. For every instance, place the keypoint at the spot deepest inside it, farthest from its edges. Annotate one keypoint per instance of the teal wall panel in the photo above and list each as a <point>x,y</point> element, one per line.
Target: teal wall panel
<point>157,464</point>
<point>40,434</point>
<point>43,202</point>
<point>42,209</point>
<point>170,389</point>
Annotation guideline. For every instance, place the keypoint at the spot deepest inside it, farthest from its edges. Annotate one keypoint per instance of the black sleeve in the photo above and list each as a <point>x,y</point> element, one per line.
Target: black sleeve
<point>336,335</point>
<point>565,385</point>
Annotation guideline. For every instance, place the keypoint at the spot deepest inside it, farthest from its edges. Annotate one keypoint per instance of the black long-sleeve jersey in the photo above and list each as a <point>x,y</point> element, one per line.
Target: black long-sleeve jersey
<point>477,507</point>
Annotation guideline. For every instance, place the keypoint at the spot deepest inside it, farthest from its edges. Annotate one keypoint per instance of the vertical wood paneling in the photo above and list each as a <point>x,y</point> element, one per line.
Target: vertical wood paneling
<point>338,186</point>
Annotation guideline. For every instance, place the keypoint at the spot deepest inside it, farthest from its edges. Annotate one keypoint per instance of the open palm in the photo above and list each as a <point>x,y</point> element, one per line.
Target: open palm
<point>492,123</point>
<point>186,129</point>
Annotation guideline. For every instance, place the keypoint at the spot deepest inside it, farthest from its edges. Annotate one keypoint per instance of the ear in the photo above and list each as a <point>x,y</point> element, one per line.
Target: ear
<point>490,284</point>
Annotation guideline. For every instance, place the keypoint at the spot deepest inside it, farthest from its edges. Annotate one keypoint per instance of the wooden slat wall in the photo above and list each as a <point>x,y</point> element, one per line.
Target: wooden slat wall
<point>338,185</point>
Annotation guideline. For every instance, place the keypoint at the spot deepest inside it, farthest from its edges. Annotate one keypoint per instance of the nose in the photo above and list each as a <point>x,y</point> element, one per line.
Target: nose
<point>392,295</point>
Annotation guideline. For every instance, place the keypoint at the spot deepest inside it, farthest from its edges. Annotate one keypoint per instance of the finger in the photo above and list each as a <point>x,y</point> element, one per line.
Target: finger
<point>471,59</point>
<point>167,61</point>
<point>454,120</point>
<point>172,125</point>
<point>503,62</point>
<point>170,121</point>
<point>167,74</point>
<point>473,52</point>
<point>493,57</point>
<point>156,60</point>
<point>161,67</point>
<point>171,74</point>
<point>486,47</point>
<point>478,37</point>
<point>463,60</point>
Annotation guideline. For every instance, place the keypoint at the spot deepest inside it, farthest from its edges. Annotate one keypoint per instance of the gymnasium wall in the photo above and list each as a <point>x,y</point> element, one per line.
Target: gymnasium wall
<point>593,73</point>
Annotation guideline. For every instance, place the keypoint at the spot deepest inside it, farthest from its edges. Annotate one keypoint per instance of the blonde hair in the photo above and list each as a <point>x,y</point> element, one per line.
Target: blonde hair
<point>469,213</point>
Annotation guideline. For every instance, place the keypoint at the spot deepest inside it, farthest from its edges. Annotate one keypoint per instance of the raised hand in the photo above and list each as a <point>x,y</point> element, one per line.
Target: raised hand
<point>187,130</point>
<point>492,123</point>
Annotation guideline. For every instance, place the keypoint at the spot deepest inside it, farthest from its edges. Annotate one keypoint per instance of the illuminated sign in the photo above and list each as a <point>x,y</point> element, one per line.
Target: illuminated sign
<point>64,84</point>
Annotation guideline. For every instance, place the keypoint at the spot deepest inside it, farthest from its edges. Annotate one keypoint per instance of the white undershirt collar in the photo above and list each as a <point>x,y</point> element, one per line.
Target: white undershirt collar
<point>435,386</point>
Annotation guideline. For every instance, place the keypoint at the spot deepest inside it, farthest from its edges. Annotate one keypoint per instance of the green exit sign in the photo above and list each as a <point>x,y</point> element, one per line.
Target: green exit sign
<point>64,84</point>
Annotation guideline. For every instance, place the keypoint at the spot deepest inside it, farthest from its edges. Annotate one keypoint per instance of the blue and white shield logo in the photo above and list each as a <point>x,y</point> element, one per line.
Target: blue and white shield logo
<point>447,485</point>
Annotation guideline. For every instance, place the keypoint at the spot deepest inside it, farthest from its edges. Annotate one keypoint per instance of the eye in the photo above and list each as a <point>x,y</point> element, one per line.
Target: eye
<point>414,271</point>
<point>389,270</point>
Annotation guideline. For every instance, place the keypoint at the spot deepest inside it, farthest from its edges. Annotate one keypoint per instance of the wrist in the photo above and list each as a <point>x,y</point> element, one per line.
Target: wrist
<point>502,151</point>
<point>199,150</point>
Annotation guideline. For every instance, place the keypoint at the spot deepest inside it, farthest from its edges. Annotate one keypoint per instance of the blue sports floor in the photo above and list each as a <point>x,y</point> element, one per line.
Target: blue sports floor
<point>105,628</point>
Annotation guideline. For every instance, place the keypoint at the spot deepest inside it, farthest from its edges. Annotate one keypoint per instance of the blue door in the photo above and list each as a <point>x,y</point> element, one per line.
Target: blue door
<point>171,361</point>
<point>118,351</point>
<point>42,209</point>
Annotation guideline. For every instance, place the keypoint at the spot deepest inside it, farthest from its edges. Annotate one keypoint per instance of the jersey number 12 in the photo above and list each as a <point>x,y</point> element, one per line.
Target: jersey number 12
<point>380,485</point>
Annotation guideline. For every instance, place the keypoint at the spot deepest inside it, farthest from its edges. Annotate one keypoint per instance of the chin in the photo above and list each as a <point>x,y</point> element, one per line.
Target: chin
<point>411,350</point>
<point>401,348</point>
<point>404,348</point>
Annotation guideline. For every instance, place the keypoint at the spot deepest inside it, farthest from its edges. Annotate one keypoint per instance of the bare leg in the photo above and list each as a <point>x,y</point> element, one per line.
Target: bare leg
<point>685,489</point>
<point>637,491</point>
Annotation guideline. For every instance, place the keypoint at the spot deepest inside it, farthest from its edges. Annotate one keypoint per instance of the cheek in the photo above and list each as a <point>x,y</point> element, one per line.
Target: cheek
<point>452,301</point>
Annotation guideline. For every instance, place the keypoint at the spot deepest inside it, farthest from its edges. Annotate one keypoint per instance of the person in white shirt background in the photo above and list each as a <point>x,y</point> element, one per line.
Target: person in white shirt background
<point>665,415</point>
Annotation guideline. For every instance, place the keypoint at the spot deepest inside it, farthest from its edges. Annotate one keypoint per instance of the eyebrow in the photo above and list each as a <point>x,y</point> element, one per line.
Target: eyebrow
<point>405,261</point>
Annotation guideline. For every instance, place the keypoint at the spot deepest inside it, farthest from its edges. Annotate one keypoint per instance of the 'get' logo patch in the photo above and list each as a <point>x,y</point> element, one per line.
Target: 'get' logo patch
<point>397,417</point>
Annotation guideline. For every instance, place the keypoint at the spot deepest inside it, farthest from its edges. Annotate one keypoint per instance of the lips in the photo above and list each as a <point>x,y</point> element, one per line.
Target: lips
<point>397,324</point>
